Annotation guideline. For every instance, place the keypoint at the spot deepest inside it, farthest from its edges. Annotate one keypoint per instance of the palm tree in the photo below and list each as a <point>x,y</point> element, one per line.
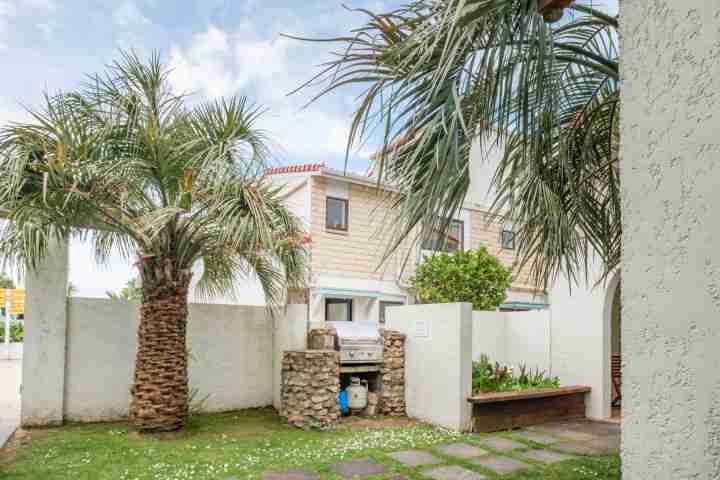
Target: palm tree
<point>535,78</point>
<point>129,292</point>
<point>164,184</point>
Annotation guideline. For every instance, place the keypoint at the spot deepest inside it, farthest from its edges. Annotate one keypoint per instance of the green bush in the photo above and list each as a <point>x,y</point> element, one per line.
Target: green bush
<point>488,377</point>
<point>17,331</point>
<point>475,277</point>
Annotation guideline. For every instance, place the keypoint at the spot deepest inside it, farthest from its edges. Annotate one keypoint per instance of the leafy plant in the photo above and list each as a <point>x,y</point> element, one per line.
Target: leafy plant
<point>17,332</point>
<point>131,291</point>
<point>488,377</point>
<point>6,282</point>
<point>475,277</point>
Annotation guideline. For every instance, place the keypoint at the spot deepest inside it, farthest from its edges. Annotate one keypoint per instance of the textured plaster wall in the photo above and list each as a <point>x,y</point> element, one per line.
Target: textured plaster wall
<point>233,349</point>
<point>513,338</point>
<point>580,338</point>
<point>671,261</point>
<point>44,347</point>
<point>438,361</point>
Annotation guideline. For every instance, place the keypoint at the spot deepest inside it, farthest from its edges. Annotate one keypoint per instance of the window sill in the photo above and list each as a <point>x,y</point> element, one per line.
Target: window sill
<point>335,231</point>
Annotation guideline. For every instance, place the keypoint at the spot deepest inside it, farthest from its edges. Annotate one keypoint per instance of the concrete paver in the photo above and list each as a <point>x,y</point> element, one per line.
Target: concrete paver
<point>546,456</point>
<point>415,458</point>
<point>357,468</point>
<point>501,465</point>
<point>502,444</point>
<point>453,472</point>
<point>462,450</point>
<point>536,437</point>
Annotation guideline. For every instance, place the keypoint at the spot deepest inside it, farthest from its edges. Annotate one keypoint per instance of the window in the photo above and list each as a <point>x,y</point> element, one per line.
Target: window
<point>507,238</point>
<point>384,305</point>
<point>453,241</point>
<point>336,213</point>
<point>338,310</point>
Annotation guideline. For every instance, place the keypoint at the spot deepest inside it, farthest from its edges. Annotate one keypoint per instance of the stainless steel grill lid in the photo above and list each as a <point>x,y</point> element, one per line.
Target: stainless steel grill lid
<point>358,342</point>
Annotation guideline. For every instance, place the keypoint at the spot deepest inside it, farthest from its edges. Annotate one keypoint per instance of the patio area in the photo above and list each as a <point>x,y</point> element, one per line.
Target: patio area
<point>257,444</point>
<point>536,452</point>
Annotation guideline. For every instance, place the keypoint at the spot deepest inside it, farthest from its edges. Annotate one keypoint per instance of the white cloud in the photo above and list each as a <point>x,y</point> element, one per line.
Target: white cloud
<point>218,63</point>
<point>48,5</point>
<point>202,68</point>
<point>129,15</point>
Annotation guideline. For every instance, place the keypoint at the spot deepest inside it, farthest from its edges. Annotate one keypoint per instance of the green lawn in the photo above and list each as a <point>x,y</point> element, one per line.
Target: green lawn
<point>237,444</point>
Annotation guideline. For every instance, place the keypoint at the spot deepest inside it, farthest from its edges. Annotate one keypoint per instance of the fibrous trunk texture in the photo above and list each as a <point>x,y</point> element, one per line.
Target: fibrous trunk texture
<point>160,386</point>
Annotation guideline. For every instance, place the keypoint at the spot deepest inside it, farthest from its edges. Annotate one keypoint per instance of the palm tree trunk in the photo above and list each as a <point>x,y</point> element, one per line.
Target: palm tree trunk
<point>160,387</point>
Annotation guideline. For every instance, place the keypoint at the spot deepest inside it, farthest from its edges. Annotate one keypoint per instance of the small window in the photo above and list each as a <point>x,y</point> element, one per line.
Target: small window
<point>338,310</point>
<point>384,305</point>
<point>453,241</point>
<point>507,238</point>
<point>336,213</point>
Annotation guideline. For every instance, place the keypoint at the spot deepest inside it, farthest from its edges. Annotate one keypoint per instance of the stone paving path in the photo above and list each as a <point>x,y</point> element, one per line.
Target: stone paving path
<point>501,454</point>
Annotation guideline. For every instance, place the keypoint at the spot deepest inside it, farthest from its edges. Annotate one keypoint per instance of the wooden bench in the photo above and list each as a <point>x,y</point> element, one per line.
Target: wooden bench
<point>492,412</point>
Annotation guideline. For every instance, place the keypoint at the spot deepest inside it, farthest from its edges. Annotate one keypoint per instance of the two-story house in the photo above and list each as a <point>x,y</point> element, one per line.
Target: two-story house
<point>347,218</point>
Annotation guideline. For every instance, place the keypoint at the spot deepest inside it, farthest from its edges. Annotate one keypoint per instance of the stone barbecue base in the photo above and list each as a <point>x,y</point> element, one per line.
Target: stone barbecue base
<point>309,388</point>
<point>392,389</point>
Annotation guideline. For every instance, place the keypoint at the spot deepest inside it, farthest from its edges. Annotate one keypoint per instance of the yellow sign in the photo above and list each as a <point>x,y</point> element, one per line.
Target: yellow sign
<point>17,301</point>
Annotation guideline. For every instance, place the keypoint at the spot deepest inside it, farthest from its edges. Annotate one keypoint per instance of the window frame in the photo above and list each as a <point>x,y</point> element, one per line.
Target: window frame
<point>346,220</point>
<point>461,235</point>
<point>386,303</point>
<point>336,301</point>
<point>504,231</point>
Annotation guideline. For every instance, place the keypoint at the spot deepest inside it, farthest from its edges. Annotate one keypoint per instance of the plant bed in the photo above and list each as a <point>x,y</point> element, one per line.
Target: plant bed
<point>497,411</point>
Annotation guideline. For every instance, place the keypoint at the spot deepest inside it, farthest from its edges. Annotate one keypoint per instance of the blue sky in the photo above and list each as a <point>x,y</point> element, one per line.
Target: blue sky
<point>215,47</point>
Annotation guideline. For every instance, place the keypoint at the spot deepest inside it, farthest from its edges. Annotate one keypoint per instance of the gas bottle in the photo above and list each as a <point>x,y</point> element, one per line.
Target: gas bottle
<point>357,394</point>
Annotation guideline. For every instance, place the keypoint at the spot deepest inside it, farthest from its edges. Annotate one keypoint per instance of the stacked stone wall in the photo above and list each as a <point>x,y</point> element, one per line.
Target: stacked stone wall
<point>310,385</point>
<point>392,390</point>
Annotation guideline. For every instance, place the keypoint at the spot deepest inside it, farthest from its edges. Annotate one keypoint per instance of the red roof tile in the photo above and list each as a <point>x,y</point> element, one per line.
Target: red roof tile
<point>308,167</point>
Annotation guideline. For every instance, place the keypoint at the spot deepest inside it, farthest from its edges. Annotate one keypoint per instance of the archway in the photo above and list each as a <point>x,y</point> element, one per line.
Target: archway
<point>613,322</point>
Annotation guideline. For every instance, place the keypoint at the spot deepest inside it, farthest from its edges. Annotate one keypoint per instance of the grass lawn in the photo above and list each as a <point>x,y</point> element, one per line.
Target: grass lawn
<point>240,445</point>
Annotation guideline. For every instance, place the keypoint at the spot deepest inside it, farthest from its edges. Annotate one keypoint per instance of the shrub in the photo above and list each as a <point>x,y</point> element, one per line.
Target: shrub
<point>488,377</point>
<point>475,277</point>
<point>17,331</point>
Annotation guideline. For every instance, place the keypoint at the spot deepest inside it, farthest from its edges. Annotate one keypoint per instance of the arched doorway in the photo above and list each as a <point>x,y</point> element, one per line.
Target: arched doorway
<point>613,317</point>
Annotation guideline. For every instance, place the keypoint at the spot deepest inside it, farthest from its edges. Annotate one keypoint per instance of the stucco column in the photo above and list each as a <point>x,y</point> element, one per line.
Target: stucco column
<point>43,373</point>
<point>670,172</point>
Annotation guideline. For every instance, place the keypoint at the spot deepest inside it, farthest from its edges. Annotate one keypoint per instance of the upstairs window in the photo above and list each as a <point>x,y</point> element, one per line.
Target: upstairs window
<point>453,240</point>
<point>507,238</point>
<point>336,213</point>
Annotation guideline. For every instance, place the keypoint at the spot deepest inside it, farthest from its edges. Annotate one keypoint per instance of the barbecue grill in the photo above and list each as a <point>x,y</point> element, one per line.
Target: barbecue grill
<point>358,342</point>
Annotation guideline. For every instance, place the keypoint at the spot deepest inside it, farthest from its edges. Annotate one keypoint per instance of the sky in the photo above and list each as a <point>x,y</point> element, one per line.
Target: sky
<point>215,48</point>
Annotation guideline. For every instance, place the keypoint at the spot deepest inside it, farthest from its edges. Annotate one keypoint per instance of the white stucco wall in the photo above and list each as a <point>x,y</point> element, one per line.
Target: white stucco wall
<point>232,355</point>
<point>489,333</point>
<point>580,339</point>
<point>44,346</point>
<point>513,338</point>
<point>670,173</point>
<point>290,334</point>
<point>438,363</point>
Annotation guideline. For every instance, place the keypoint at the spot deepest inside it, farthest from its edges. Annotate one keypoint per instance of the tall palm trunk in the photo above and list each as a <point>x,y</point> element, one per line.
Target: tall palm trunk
<point>160,387</point>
